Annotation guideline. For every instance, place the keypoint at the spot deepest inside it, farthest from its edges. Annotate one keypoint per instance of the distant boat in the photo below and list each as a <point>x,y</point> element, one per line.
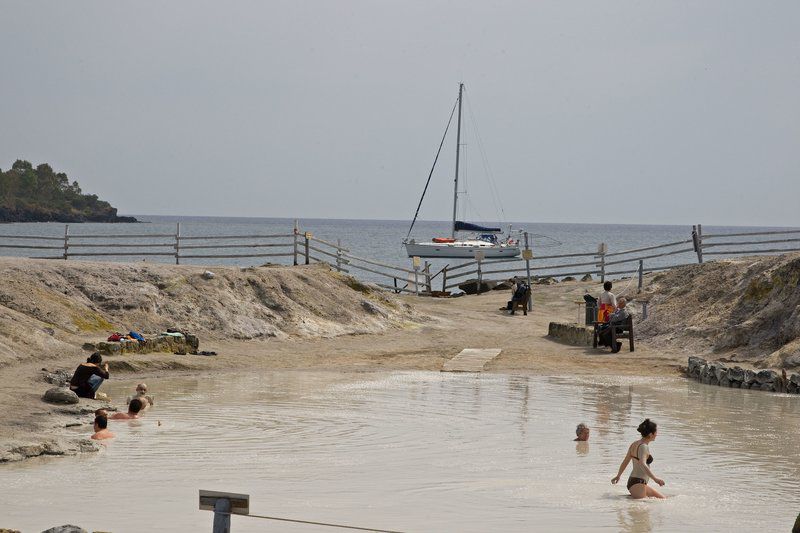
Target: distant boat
<point>483,239</point>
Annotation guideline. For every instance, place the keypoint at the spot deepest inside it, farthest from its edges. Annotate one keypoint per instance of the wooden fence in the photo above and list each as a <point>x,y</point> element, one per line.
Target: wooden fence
<point>603,262</point>
<point>172,245</point>
<point>305,248</point>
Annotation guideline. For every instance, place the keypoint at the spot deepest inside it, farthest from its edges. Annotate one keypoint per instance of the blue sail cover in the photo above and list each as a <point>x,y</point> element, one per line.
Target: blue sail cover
<point>466,226</point>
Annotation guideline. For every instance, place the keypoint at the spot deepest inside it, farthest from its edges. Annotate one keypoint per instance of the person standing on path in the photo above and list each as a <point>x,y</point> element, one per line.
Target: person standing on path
<point>639,454</point>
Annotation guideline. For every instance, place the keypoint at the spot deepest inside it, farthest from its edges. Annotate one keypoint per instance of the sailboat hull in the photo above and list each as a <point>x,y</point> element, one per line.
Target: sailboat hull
<point>460,249</point>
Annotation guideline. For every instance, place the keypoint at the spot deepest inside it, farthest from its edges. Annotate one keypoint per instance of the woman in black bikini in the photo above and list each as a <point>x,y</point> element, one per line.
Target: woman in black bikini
<point>639,453</point>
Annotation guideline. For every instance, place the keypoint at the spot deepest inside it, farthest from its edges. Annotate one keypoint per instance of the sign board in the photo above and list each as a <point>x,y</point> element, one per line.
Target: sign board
<point>309,235</point>
<point>479,255</point>
<point>602,248</point>
<point>240,503</point>
<point>415,260</point>
<point>527,254</point>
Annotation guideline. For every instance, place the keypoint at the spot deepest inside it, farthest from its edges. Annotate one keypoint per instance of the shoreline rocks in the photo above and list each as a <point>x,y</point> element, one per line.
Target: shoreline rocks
<point>736,377</point>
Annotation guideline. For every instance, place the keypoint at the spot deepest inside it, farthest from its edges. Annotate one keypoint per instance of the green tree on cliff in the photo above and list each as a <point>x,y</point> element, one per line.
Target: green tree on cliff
<point>40,194</point>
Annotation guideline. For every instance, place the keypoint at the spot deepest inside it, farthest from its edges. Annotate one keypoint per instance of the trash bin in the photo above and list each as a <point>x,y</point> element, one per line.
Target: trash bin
<point>591,308</point>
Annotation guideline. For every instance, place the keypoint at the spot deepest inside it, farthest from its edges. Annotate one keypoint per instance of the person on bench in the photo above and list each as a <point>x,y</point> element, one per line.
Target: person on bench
<point>615,319</point>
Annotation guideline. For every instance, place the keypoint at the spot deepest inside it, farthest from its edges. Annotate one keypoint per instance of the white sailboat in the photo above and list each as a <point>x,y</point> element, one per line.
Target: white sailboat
<point>484,239</point>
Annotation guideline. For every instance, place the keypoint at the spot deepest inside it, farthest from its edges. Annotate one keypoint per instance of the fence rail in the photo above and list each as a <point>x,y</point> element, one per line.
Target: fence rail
<point>305,248</point>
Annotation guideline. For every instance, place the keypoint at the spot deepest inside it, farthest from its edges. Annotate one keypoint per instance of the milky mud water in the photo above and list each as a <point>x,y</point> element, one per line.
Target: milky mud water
<point>424,451</point>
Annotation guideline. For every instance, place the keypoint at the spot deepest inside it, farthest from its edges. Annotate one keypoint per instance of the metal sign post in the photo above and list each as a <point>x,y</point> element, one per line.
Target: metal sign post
<point>527,255</point>
<point>224,504</point>
<point>479,255</point>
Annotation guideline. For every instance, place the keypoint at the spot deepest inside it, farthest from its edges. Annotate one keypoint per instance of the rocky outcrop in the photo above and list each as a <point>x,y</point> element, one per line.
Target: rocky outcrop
<point>570,333</point>
<point>24,450</point>
<point>717,373</point>
<point>166,344</point>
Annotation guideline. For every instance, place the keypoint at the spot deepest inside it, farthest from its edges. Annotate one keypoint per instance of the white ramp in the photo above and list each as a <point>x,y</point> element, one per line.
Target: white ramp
<point>471,360</point>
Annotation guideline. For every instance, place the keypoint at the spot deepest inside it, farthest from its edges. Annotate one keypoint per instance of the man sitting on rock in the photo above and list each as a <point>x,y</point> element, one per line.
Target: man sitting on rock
<point>101,431</point>
<point>615,319</point>
<point>133,411</point>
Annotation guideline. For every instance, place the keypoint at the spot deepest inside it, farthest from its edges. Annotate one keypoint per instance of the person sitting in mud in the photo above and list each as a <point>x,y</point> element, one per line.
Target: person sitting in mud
<point>88,377</point>
<point>133,411</point>
<point>101,431</point>
<point>141,394</point>
<point>615,319</point>
<point>639,454</point>
<point>582,432</point>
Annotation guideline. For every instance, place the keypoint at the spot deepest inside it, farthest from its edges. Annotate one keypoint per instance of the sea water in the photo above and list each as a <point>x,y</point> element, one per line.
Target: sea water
<point>424,451</point>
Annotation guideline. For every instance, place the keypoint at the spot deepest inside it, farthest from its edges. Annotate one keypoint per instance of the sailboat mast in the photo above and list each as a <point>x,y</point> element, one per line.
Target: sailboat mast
<point>458,153</point>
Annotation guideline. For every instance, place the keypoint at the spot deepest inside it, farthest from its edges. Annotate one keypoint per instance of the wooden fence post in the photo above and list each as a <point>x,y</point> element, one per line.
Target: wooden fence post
<point>294,243</point>
<point>338,255</point>
<point>700,243</point>
<point>415,263</point>
<point>480,274</point>
<point>641,274</point>
<point>697,242</point>
<point>308,239</point>
<point>427,271</point>
<point>601,251</point>
<point>178,244</point>
<point>444,279</point>
<point>66,241</point>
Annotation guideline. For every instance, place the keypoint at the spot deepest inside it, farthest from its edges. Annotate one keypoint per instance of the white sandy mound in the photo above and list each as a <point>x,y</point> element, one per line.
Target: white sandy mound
<point>748,306</point>
<point>45,305</point>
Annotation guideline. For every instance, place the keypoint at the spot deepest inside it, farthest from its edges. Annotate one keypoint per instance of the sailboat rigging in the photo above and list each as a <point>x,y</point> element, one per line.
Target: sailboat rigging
<point>485,239</point>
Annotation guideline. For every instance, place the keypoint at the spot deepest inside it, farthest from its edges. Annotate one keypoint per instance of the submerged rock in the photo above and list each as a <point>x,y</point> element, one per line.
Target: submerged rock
<point>65,529</point>
<point>60,395</point>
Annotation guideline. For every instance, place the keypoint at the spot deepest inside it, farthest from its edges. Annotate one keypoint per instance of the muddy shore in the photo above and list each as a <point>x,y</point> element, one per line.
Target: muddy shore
<point>263,319</point>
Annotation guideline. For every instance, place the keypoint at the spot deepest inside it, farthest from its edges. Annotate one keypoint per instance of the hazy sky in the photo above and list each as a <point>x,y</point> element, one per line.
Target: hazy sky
<point>634,112</point>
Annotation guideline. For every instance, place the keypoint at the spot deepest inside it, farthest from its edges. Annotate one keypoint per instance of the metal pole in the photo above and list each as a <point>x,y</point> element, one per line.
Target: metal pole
<point>222,516</point>
<point>641,274</point>
<point>66,241</point>
<point>528,272</point>
<point>307,245</point>
<point>178,244</point>
<point>294,253</point>
<point>458,153</point>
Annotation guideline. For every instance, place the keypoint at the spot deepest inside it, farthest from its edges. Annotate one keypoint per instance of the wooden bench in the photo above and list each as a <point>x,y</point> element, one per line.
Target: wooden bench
<point>522,303</point>
<point>618,331</point>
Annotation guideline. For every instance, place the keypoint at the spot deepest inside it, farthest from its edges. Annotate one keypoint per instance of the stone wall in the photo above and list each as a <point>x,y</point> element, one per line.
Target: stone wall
<point>570,333</point>
<point>716,373</point>
<point>187,344</point>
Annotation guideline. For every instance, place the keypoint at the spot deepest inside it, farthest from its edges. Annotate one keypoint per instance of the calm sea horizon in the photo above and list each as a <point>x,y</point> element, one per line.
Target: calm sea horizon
<point>380,240</point>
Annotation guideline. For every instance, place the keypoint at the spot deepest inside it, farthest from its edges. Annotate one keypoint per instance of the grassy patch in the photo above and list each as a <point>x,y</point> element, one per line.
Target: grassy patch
<point>89,321</point>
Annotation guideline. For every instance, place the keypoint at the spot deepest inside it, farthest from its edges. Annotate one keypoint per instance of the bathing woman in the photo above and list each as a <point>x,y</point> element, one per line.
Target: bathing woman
<point>639,453</point>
